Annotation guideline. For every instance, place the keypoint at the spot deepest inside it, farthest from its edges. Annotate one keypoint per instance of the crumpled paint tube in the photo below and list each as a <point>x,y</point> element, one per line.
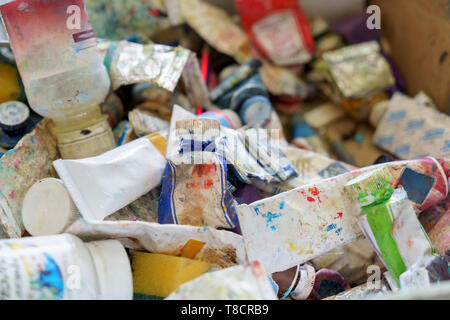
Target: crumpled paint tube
<point>310,166</point>
<point>222,249</point>
<point>409,130</point>
<point>194,188</point>
<point>359,70</point>
<point>268,153</point>
<point>240,74</point>
<point>145,122</point>
<point>214,25</point>
<point>236,283</point>
<point>102,185</point>
<point>21,167</point>
<point>299,225</point>
<point>232,147</point>
<point>389,221</point>
<point>130,63</point>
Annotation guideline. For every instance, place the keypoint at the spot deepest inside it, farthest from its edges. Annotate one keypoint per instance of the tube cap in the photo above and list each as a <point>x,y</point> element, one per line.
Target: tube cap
<point>113,269</point>
<point>13,115</point>
<point>257,110</point>
<point>371,186</point>
<point>48,208</point>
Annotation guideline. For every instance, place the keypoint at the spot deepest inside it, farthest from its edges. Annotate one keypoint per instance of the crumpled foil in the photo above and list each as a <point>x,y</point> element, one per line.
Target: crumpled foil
<point>130,63</point>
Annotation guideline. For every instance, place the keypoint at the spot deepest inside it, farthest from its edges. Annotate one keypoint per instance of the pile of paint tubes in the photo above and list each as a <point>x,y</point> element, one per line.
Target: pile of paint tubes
<point>206,179</point>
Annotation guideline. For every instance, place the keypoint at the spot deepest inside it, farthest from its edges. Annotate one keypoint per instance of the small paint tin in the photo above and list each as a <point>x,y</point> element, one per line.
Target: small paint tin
<point>227,117</point>
<point>257,111</point>
<point>13,116</point>
<point>48,208</point>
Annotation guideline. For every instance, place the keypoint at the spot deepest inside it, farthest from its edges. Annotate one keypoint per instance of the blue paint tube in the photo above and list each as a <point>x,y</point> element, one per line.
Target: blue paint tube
<point>253,86</point>
<point>234,79</point>
<point>194,185</point>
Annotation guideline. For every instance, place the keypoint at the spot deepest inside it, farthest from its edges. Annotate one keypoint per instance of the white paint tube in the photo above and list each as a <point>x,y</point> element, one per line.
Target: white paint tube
<point>102,185</point>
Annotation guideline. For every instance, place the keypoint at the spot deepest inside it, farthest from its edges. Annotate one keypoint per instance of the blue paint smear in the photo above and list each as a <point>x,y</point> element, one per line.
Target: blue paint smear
<point>282,205</point>
<point>269,220</point>
<point>12,151</point>
<point>331,227</point>
<point>338,231</point>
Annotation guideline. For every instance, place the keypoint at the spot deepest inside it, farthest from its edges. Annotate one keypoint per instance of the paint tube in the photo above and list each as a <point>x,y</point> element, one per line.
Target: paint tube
<point>130,63</point>
<point>268,153</point>
<point>279,29</point>
<point>235,78</point>
<point>236,283</point>
<point>194,182</point>
<point>22,166</point>
<point>388,220</point>
<point>410,130</point>
<point>296,226</point>
<point>215,26</point>
<point>102,185</point>
<point>232,145</point>
<point>145,122</point>
<point>222,248</point>
<point>227,117</point>
<point>425,273</point>
<point>359,70</point>
<point>234,99</point>
<point>311,167</point>
<point>244,164</point>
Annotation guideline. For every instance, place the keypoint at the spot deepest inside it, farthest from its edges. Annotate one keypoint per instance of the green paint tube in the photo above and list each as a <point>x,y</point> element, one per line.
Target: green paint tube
<point>389,221</point>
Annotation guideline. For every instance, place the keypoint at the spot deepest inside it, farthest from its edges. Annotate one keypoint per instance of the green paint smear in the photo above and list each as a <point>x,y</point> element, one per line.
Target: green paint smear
<point>380,223</point>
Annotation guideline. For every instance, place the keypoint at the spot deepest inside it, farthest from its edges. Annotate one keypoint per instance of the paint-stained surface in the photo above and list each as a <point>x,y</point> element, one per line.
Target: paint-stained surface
<point>21,167</point>
<point>299,225</point>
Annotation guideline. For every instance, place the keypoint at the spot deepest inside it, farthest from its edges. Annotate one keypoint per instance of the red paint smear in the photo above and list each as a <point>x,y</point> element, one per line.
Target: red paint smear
<point>340,214</point>
<point>208,184</point>
<point>314,191</point>
<point>12,194</point>
<point>201,170</point>
<point>310,199</point>
<point>132,10</point>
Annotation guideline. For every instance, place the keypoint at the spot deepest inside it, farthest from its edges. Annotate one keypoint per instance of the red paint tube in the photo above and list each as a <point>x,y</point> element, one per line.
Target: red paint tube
<point>279,28</point>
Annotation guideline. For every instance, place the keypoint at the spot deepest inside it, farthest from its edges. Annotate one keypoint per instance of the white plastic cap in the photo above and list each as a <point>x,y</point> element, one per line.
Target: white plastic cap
<point>113,270</point>
<point>48,208</point>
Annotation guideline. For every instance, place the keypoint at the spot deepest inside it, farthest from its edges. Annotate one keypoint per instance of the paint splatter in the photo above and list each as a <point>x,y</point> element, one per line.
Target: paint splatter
<point>282,204</point>
<point>314,191</point>
<point>310,199</point>
<point>340,214</point>
<point>269,220</point>
<point>12,194</point>
<point>331,227</point>
<point>338,231</point>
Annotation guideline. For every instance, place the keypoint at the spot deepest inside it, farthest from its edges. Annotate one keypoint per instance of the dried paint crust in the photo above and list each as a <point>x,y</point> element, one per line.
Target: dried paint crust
<point>21,167</point>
